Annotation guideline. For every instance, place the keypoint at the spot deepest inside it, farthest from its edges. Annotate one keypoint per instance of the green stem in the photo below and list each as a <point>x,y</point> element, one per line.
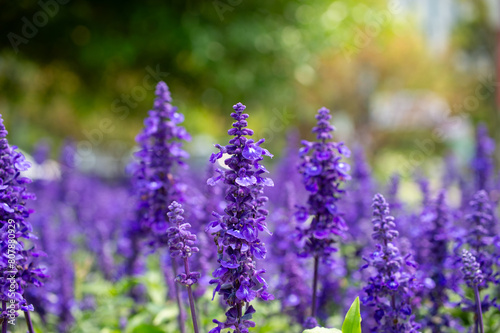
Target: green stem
<point>479,311</point>
<point>240,314</point>
<point>181,316</point>
<point>191,299</point>
<point>315,286</point>
<point>28,322</point>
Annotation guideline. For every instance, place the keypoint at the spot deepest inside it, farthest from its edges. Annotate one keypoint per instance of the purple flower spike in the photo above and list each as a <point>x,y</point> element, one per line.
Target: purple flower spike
<point>471,269</point>
<point>310,322</point>
<point>358,199</point>
<point>483,230</point>
<point>17,265</point>
<point>473,277</point>
<point>323,173</point>
<point>160,150</point>
<point>237,231</point>
<point>156,184</point>
<point>181,244</point>
<point>389,290</point>
<point>482,240</point>
<point>432,245</point>
<point>482,163</point>
<point>180,239</point>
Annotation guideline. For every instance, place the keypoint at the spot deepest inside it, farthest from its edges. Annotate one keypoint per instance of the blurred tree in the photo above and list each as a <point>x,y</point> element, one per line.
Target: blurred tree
<point>87,61</point>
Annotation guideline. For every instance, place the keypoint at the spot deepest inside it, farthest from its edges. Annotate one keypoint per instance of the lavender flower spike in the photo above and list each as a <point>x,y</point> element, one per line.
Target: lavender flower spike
<point>237,231</point>
<point>323,173</point>
<point>154,181</point>
<point>181,244</point>
<point>390,289</point>
<point>160,150</point>
<point>17,266</point>
<point>473,277</point>
<point>483,229</point>
<point>482,163</point>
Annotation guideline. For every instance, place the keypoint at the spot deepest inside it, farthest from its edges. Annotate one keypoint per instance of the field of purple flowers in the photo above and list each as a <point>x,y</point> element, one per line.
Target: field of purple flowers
<point>235,247</point>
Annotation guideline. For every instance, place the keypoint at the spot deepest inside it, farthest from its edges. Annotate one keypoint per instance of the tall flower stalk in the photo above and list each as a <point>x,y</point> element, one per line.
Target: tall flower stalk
<point>481,232</point>
<point>181,244</point>
<point>389,290</point>
<point>473,278</point>
<point>358,199</point>
<point>482,163</point>
<point>323,173</point>
<point>17,265</point>
<point>290,275</point>
<point>432,245</point>
<point>160,150</point>
<point>236,232</point>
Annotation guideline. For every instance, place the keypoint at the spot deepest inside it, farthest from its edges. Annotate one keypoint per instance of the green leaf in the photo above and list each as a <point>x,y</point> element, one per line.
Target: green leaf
<point>352,321</point>
<point>322,330</point>
<point>146,328</point>
<point>169,313</point>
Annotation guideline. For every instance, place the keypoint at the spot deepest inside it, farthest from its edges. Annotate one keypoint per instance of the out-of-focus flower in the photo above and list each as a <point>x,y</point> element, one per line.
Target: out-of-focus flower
<point>473,277</point>
<point>323,172</point>
<point>482,163</point>
<point>155,185</point>
<point>432,247</point>
<point>160,150</point>
<point>471,269</point>
<point>482,230</point>
<point>358,198</point>
<point>481,236</point>
<point>181,241</point>
<point>181,244</point>
<point>389,291</point>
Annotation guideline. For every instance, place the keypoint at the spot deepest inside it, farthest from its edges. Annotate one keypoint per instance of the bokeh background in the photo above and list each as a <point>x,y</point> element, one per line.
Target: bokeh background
<point>392,72</point>
<point>408,80</point>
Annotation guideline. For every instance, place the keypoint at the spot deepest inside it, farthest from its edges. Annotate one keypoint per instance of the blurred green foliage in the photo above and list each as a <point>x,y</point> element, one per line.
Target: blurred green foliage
<point>110,310</point>
<point>283,59</point>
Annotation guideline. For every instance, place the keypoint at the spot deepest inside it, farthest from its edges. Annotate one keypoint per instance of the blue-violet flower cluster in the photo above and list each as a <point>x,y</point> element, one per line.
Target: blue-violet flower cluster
<point>471,269</point>
<point>323,173</point>
<point>390,289</point>
<point>181,241</point>
<point>160,149</point>
<point>482,163</point>
<point>17,266</point>
<point>480,238</point>
<point>237,231</point>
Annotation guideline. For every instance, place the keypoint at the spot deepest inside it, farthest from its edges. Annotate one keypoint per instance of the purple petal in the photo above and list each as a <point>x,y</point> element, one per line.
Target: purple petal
<point>212,181</point>
<point>252,152</point>
<point>6,207</point>
<point>236,233</point>
<point>313,170</point>
<point>320,234</point>
<point>246,181</point>
<point>267,182</point>
<point>323,155</point>
<point>267,153</point>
